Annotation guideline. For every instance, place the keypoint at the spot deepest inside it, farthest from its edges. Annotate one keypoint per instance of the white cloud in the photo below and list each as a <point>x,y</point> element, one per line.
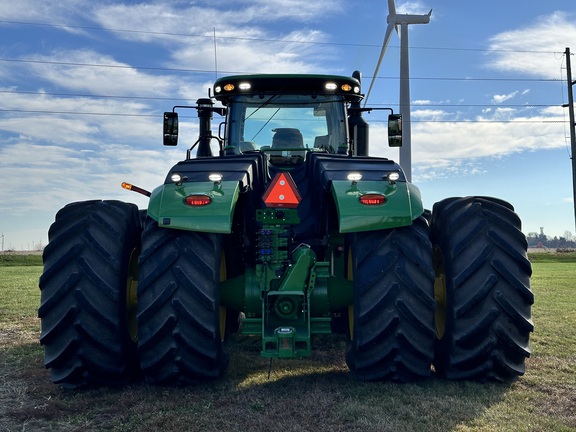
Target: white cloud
<point>53,119</point>
<point>428,114</point>
<point>258,56</point>
<point>65,174</point>
<point>442,149</point>
<point>171,22</point>
<point>39,10</point>
<point>535,49</point>
<point>247,42</point>
<point>412,7</point>
<point>108,77</point>
<point>503,98</point>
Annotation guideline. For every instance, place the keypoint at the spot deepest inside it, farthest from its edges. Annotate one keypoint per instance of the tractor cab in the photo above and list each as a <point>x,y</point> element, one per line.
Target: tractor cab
<point>287,119</point>
<point>287,127</point>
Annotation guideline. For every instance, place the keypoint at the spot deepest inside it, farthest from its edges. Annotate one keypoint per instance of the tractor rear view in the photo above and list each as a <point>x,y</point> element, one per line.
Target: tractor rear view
<point>283,227</point>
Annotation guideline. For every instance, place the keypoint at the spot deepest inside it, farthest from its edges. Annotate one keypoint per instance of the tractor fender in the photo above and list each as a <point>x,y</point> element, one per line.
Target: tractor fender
<point>169,208</point>
<point>403,204</point>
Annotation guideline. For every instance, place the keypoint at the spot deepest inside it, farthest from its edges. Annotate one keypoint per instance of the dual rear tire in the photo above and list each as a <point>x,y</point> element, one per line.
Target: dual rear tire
<point>456,295</point>
<point>460,301</point>
<point>86,288</point>
<point>393,332</point>
<point>91,331</point>
<point>482,290</point>
<point>179,319</point>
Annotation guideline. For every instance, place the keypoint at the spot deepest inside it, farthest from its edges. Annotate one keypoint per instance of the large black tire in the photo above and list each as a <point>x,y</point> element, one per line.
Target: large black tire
<point>180,342</point>
<point>84,287</point>
<point>393,329</point>
<point>482,289</point>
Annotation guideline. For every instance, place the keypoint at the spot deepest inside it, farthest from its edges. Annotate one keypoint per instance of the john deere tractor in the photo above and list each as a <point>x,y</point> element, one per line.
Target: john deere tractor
<point>281,226</point>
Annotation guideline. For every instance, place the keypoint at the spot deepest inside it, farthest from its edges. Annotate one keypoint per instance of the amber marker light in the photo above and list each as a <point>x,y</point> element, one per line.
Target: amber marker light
<point>133,188</point>
<point>229,87</point>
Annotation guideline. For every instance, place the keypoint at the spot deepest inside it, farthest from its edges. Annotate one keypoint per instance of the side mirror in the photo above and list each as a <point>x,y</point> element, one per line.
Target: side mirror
<point>395,130</point>
<point>170,128</point>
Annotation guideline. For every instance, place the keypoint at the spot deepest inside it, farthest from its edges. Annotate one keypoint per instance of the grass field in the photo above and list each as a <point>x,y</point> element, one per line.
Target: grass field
<point>301,395</point>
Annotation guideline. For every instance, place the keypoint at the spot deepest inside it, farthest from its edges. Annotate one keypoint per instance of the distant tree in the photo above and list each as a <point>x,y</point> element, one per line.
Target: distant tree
<point>542,240</point>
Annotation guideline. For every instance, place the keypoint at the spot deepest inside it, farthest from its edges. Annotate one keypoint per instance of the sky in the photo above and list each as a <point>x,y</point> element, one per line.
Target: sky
<point>83,86</point>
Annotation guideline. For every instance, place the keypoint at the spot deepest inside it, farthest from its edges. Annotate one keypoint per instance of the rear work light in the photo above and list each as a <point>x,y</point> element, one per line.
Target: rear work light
<point>372,199</point>
<point>197,200</point>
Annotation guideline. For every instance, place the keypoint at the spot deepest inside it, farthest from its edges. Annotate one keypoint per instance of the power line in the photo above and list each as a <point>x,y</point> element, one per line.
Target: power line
<point>473,79</point>
<point>80,95</point>
<point>26,111</point>
<point>112,66</point>
<point>416,105</point>
<point>51,112</point>
<point>86,95</point>
<point>395,78</point>
<point>253,39</point>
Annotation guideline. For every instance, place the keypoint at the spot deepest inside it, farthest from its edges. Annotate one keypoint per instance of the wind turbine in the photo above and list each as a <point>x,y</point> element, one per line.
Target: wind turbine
<point>403,20</point>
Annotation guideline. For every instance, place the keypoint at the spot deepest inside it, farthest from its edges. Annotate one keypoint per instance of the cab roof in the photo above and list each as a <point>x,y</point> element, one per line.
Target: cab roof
<point>267,84</point>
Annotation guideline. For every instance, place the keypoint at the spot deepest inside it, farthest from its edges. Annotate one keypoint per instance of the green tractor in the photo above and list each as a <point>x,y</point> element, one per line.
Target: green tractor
<point>283,227</point>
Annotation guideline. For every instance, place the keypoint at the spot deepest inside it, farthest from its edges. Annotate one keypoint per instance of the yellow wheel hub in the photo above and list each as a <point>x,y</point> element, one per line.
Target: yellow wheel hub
<point>439,293</point>
<point>132,296</point>
<point>223,311</point>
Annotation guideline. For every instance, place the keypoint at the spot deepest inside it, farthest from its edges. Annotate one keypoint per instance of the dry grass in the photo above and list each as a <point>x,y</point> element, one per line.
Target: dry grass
<point>301,395</point>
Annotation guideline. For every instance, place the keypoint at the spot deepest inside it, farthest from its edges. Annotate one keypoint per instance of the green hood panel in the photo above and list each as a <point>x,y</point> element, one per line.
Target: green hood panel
<point>403,205</point>
<point>168,208</point>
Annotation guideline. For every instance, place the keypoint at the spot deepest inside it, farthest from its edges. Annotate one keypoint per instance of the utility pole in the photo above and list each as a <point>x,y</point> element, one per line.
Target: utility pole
<point>570,106</point>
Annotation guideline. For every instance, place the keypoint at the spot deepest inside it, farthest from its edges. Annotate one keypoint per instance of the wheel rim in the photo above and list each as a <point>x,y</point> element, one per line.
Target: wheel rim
<point>439,293</point>
<point>132,296</point>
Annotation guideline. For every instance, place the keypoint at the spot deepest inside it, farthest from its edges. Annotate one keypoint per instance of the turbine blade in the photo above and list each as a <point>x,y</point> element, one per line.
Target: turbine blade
<point>391,7</point>
<point>387,37</point>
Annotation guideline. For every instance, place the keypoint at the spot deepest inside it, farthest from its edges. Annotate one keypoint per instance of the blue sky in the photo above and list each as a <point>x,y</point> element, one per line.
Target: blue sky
<point>83,86</point>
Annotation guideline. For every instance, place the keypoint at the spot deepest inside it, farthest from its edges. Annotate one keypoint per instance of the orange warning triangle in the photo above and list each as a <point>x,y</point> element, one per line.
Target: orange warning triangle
<point>282,192</point>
